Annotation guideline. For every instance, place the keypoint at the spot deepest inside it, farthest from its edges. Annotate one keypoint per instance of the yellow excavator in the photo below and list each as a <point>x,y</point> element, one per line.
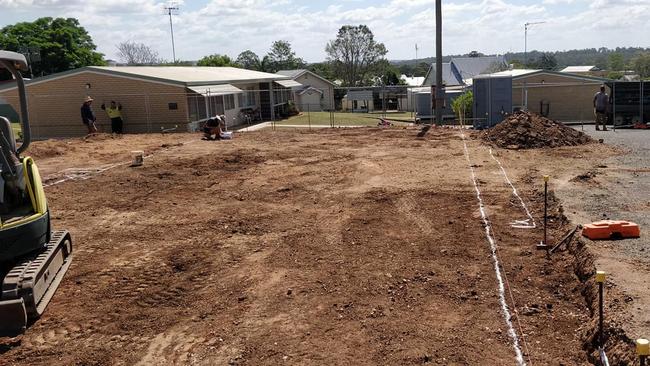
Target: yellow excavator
<point>33,259</point>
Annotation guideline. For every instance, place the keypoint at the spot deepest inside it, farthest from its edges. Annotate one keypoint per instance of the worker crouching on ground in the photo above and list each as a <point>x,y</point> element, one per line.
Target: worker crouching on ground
<point>213,128</point>
<point>114,112</point>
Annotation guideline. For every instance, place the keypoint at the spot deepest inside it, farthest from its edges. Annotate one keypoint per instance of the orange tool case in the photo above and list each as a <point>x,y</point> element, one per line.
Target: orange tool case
<point>609,229</point>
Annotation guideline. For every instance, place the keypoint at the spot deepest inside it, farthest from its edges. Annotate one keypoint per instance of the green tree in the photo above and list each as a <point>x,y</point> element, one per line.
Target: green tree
<point>615,75</point>
<point>216,60</point>
<point>641,64</point>
<point>386,74</point>
<point>249,60</point>
<point>616,62</point>
<point>516,64</point>
<point>282,57</point>
<point>322,69</point>
<point>462,106</point>
<point>63,44</point>
<point>546,62</point>
<point>421,69</point>
<point>354,53</point>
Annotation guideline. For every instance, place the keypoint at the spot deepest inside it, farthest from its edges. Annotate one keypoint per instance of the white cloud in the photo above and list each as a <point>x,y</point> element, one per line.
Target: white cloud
<point>231,26</point>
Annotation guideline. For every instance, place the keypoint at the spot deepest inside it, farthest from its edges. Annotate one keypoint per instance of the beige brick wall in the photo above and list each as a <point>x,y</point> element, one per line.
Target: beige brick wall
<point>569,99</point>
<point>54,105</point>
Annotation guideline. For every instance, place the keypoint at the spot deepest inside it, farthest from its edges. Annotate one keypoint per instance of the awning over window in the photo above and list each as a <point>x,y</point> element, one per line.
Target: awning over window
<point>215,90</point>
<point>288,83</point>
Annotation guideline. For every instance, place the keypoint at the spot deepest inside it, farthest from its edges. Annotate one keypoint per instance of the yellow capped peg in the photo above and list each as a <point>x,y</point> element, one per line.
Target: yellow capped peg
<point>546,178</point>
<point>642,347</point>
<point>600,276</point>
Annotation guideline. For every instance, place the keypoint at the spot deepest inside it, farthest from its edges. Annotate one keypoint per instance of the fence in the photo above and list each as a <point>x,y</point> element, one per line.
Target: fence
<point>568,99</point>
<point>58,115</point>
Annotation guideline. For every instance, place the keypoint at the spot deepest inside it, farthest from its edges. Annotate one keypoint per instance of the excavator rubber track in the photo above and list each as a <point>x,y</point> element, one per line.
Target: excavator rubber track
<point>29,286</point>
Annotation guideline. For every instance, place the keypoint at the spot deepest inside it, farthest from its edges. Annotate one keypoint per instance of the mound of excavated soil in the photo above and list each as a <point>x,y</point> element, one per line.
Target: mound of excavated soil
<point>526,130</point>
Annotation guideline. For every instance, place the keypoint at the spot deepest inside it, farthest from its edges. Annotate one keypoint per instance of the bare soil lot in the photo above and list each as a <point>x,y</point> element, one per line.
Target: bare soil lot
<point>362,246</point>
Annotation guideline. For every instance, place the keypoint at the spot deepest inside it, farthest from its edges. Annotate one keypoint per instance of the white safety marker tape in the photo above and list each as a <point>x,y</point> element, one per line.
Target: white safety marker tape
<point>519,224</point>
<point>497,270</point>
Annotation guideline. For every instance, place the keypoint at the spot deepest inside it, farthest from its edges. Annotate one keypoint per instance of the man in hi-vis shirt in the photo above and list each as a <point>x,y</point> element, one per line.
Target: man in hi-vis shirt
<point>115,114</point>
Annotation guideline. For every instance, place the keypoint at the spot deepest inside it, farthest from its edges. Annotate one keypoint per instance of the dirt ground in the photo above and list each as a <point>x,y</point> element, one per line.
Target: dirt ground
<point>345,246</point>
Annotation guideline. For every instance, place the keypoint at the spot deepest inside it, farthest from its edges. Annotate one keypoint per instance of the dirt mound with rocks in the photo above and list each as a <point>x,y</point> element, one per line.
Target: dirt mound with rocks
<point>526,130</point>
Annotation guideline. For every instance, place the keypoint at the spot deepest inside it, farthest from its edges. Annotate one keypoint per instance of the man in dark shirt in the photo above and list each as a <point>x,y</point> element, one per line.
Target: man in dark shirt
<point>213,128</point>
<point>601,100</point>
<point>88,116</point>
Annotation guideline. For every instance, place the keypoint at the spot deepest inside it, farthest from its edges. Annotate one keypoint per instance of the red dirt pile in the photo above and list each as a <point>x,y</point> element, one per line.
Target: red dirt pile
<point>526,130</point>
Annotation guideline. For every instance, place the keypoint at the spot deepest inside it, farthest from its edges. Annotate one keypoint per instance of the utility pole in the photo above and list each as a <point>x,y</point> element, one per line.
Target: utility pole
<point>416,60</point>
<point>440,92</point>
<point>170,10</point>
<point>526,25</point>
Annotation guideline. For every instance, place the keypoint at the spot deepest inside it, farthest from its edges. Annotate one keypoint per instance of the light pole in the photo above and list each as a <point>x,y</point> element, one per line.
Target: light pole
<point>526,25</point>
<point>172,9</point>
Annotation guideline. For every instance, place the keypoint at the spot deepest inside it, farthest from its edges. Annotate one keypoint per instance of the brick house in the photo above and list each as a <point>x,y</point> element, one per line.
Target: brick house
<point>153,97</point>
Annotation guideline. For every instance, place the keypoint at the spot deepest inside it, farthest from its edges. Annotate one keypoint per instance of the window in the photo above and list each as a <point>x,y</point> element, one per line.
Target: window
<point>172,106</point>
<point>246,99</point>
<point>229,101</point>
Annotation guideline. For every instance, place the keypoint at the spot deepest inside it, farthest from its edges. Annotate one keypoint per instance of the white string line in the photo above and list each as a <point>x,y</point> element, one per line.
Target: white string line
<point>519,224</point>
<point>89,173</point>
<point>488,234</point>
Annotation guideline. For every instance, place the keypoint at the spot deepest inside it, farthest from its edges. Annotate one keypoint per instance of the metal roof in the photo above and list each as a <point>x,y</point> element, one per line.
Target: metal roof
<point>468,67</point>
<point>513,72</point>
<point>449,78</point>
<point>580,69</point>
<point>522,73</point>
<point>294,74</point>
<point>183,76</point>
<point>192,75</point>
<point>412,80</point>
<point>215,90</point>
<point>289,83</point>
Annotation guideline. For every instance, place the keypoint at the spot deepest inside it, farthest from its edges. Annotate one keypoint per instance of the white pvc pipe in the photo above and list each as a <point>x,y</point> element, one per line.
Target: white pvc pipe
<point>519,224</point>
<point>488,234</point>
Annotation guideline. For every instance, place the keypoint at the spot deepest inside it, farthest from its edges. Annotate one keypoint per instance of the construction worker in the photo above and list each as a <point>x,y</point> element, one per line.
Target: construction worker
<point>601,101</point>
<point>88,116</point>
<point>213,127</point>
<point>115,114</point>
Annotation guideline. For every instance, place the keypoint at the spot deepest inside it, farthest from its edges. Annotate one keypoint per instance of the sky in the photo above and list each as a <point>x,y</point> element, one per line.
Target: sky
<point>204,27</point>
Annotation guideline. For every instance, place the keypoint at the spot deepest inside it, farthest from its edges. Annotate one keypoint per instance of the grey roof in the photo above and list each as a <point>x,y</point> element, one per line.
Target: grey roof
<point>468,67</point>
<point>294,74</point>
<point>460,69</point>
<point>449,77</point>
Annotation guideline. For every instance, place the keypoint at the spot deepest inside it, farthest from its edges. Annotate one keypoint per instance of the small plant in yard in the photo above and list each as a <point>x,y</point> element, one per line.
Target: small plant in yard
<point>462,106</point>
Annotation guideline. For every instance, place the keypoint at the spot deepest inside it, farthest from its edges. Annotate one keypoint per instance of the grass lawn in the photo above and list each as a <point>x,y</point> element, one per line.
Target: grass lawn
<point>344,118</point>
